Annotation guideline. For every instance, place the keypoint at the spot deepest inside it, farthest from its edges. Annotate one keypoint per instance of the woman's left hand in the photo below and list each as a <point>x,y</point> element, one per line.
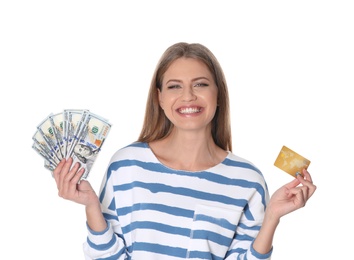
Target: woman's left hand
<point>292,196</point>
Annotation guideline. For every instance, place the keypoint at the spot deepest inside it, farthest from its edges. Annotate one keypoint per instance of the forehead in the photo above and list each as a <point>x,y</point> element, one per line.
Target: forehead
<point>187,67</point>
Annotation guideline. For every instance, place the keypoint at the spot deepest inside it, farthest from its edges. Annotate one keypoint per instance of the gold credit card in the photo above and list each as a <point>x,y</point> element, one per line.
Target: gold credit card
<point>290,161</point>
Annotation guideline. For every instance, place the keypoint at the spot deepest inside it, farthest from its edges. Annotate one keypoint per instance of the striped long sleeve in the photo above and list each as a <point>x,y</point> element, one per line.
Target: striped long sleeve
<point>156,213</point>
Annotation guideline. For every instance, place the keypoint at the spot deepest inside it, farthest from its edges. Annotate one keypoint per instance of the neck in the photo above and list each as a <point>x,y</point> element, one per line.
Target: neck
<point>188,152</point>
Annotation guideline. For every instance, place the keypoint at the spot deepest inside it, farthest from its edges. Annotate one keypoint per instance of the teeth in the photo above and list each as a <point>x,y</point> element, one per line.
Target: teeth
<point>189,110</point>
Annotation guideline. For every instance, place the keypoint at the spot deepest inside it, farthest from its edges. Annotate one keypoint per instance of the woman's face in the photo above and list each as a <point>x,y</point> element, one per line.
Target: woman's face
<point>189,94</point>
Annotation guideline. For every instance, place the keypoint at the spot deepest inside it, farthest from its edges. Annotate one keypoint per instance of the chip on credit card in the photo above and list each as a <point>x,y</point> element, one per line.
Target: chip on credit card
<point>291,162</point>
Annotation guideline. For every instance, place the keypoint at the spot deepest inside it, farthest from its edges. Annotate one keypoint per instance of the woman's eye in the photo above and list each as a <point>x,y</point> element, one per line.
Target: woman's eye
<point>201,85</point>
<point>173,86</point>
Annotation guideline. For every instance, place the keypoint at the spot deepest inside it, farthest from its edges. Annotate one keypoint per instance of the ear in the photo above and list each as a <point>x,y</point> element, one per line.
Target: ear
<point>160,98</point>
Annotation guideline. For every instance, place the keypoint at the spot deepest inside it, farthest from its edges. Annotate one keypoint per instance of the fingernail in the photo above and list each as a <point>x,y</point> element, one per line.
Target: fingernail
<point>298,173</point>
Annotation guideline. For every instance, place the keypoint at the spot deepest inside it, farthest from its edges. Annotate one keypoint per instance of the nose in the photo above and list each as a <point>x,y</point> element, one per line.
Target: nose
<point>188,94</point>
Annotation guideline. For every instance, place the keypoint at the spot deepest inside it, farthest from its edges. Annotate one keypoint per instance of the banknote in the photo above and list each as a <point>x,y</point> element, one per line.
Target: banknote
<point>57,122</point>
<point>45,128</point>
<point>76,122</point>
<point>40,144</point>
<point>75,133</point>
<point>49,166</point>
<point>47,158</point>
<point>93,133</point>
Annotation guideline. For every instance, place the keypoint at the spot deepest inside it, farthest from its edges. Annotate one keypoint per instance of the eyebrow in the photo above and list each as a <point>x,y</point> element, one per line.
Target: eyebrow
<point>195,79</point>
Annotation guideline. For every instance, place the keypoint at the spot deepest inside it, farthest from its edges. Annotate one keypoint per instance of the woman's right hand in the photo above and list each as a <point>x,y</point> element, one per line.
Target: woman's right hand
<point>69,185</point>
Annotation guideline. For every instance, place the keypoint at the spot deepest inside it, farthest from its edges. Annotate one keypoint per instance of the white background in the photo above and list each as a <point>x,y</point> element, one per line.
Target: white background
<point>289,67</point>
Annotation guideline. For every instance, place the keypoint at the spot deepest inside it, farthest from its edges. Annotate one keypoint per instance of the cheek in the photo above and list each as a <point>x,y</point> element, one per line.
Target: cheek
<point>211,97</point>
<point>166,101</point>
<point>215,97</point>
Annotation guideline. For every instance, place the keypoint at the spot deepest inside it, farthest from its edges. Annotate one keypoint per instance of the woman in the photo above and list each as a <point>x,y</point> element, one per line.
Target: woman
<point>179,192</point>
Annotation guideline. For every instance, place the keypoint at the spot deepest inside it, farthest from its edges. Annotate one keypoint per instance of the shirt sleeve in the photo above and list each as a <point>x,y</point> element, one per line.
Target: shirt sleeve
<point>109,243</point>
<point>249,226</point>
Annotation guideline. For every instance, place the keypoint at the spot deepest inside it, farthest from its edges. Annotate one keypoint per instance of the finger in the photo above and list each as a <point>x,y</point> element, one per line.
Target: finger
<point>65,171</point>
<point>307,175</point>
<point>300,194</point>
<point>72,172</point>
<point>66,174</point>
<point>312,189</point>
<point>75,180</point>
<point>67,164</point>
<point>295,182</point>
<point>58,169</point>
<point>67,178</point>
<point>65,188</point>
<point>306,180</point>
<point>69,188</point>
<point>305,192</point>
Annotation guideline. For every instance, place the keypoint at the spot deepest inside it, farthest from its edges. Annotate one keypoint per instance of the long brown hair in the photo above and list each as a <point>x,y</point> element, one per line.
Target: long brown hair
<point>157,126</point>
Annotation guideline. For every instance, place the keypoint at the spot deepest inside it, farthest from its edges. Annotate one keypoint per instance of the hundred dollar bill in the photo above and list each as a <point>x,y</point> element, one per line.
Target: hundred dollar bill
<point>74,133</point>
<point>49,167</point>
<point>49,161</point>
<point>67,129</point>
<point>57,122</point>
<point>76,121</point>
<point>41,145</point>
<point>94,133</point>
<point>45,128</point>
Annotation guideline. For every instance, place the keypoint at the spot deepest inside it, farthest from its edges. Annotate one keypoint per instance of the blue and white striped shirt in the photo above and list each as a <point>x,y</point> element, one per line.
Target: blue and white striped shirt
<point>157,213</point>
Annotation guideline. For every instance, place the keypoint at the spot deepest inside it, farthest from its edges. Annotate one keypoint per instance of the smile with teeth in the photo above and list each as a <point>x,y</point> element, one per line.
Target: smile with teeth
<point>189,110</point>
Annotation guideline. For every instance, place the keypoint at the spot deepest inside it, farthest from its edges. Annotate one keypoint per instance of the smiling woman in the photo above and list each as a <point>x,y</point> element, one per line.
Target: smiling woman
<point>188,95</point>
<point>179,191</point>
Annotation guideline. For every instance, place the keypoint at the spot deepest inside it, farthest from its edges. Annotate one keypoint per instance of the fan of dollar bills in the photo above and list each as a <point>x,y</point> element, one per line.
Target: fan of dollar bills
<point>74,133</point>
